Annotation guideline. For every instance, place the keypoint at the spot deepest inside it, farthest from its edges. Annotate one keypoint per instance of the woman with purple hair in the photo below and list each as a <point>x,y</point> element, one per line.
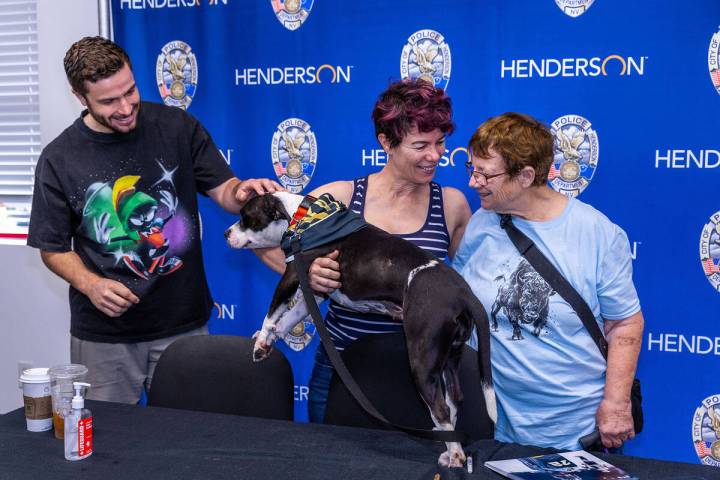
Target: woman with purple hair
<point>412,119</point>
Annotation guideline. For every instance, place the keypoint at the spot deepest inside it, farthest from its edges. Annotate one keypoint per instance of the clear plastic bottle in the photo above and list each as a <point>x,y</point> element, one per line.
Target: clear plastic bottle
<point>78,427</point>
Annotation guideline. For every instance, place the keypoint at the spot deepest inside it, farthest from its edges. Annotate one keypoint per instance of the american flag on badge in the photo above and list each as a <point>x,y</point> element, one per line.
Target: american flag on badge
<point>715,75</point>
<point>702,449</point>
<point>709,267</point>
<point>554,172</point>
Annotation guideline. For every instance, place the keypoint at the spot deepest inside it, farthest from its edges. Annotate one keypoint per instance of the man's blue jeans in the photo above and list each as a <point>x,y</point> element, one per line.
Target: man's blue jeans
<point>319,385</point>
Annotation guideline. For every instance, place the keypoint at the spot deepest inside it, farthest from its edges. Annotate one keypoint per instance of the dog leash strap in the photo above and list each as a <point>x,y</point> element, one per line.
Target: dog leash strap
<point>555,279</point>
<point>341,368</point>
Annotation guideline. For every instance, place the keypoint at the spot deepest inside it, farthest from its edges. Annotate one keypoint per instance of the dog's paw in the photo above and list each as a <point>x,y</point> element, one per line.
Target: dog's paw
<point>260,353</point>
<point>454,459</point>
<point>262,347</point>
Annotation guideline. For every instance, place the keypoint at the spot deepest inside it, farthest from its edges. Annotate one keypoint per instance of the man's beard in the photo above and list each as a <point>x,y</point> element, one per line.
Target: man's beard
<point>105,123</point>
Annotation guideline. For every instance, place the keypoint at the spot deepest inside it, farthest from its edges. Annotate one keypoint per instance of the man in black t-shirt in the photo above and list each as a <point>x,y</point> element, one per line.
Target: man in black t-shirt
<point>115,213</point>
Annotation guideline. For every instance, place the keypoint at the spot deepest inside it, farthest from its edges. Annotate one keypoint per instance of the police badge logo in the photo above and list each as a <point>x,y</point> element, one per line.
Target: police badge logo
<point>574,8</point>
<point>706,431</point>
<point>710,251</point>
<point>294,154</point>
<point>575,157</point>
<point>176,74</point>
<point>714,60</point>
<point>292,13</point>
<point>426,56</point>
<point>300,336</point>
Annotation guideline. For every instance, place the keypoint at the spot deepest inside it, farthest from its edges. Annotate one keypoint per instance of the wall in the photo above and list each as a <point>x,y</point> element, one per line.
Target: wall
<point>35,316</point>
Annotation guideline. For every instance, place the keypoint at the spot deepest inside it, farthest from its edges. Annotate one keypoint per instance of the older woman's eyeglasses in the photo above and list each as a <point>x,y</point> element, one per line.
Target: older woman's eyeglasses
<point>476,174</point>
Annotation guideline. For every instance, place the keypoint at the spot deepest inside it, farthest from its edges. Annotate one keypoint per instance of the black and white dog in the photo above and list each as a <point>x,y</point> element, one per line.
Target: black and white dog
<point>381,273</point>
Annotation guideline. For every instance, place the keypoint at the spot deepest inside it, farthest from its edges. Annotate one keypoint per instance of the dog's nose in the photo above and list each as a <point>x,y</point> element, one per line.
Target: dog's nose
<point>227,233</point>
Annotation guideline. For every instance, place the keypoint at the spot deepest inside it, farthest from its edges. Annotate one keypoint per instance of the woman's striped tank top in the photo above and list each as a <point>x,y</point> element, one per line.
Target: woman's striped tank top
<point>346,326</point>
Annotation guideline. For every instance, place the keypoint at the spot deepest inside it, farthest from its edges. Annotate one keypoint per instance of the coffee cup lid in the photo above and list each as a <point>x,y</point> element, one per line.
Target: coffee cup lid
<point>35,375</point>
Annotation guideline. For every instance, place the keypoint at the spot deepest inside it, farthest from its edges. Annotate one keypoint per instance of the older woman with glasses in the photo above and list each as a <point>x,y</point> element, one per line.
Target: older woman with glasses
<point>552,383</point>
<point>412,119</point>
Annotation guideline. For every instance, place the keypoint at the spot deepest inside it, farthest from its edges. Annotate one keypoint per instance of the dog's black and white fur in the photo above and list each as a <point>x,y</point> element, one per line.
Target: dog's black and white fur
<point>385,274</point>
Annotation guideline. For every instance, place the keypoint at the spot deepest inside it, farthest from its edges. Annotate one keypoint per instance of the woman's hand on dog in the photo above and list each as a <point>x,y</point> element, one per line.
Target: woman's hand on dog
<point>324,273</point>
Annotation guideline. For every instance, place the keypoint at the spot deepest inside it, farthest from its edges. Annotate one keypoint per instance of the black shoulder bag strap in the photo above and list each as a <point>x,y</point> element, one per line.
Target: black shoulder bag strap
<point>554,278</point>
<point>342,371</point>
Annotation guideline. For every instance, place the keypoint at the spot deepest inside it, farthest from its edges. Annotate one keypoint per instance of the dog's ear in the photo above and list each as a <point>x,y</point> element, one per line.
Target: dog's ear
<point>281,213</point>
<point>274,208</point>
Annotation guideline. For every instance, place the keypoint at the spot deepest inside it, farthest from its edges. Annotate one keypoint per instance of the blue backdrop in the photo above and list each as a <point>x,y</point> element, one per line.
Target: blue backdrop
<point>629,88</point>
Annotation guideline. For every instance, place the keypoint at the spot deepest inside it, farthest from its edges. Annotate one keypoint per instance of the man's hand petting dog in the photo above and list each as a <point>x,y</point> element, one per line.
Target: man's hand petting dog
<point>247,189</point>
<point>324,273</point>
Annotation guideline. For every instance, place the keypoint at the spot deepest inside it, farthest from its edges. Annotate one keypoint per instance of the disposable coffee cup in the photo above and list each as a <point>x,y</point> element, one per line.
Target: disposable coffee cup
<point>35,384</point>
<point>61,387</point>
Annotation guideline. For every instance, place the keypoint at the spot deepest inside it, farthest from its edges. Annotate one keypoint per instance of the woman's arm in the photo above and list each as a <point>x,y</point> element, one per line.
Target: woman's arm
<point>614,415</point>
<point>457,214</point>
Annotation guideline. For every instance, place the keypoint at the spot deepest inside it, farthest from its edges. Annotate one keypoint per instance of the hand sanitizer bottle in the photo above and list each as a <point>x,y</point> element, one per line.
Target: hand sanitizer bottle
<point>78,427</point>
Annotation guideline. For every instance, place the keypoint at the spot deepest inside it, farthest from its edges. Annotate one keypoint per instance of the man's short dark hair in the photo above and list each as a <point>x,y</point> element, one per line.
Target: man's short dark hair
<point>92,59</point>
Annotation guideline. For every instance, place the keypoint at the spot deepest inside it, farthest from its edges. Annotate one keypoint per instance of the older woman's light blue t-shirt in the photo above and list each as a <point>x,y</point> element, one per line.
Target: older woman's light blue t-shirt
<point>549,385</point>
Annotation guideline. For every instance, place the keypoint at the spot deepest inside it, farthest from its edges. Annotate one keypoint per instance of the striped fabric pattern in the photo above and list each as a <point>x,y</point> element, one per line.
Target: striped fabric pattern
<point>345,325</point>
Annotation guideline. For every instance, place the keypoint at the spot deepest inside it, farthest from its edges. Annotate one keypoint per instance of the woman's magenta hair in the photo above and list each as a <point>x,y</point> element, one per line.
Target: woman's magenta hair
<point>412,103</point>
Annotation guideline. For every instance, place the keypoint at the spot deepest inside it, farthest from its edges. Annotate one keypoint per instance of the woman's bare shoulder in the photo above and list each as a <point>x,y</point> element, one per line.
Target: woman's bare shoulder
<point>341,190</point>
<point>454,199</point>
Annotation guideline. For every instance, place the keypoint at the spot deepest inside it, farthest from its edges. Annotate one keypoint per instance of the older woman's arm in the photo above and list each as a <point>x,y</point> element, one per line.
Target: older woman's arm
<point>614,416</point>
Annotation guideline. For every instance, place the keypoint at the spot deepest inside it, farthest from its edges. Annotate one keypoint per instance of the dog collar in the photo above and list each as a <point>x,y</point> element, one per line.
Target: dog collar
<point>302,209</point>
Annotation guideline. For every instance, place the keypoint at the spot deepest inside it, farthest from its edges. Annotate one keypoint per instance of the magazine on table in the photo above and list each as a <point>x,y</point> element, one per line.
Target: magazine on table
<point>578,465</point>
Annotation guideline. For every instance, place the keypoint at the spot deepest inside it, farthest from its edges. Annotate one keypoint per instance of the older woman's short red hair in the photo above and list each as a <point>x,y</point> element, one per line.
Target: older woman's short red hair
<point>520,140</point>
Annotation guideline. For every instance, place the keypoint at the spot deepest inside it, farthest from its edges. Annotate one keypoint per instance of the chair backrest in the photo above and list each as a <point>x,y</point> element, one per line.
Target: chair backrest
<point>216,373</point>
<point>379,364</point>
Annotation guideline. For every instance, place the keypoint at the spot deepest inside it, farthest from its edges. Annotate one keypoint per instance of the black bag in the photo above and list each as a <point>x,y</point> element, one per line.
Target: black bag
<point>554,278</point>
<point>636,401</point>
